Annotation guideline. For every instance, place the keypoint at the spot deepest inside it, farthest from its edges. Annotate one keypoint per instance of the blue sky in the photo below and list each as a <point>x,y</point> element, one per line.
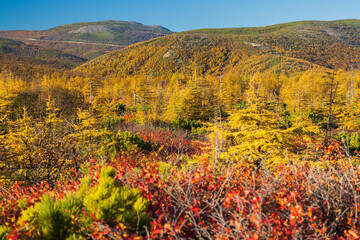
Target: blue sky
<point>175,15</point>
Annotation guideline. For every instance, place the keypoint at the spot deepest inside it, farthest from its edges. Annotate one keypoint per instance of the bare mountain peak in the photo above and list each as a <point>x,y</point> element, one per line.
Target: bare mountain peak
<point>91,29</point>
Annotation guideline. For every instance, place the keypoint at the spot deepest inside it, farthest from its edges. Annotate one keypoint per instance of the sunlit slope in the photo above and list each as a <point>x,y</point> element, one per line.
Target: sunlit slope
<point>288,47</point>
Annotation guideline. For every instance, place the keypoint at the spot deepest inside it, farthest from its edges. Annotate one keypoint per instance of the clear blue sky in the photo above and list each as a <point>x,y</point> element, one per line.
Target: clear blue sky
<point>177,15</point>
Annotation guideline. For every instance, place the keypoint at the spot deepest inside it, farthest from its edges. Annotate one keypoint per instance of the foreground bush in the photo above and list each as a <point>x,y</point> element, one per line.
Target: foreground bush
<point>113,203</point>
<point>50,219</point>
<point>108,203</point>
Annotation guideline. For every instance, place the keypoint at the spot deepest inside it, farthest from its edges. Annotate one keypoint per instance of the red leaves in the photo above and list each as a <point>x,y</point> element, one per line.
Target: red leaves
<point>172,142</point>
<point>352,234</point>
<point>191,201</point>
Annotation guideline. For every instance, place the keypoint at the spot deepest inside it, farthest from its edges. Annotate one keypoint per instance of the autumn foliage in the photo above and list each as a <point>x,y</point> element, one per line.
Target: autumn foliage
<point>191,199</point>
<point>192,136</point>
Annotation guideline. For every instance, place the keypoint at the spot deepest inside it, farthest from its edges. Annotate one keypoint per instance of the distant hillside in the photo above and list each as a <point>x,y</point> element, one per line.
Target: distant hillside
<point>288,47</point>
<point>89,39</point>
<point>333,44</point>
<point>22,59</point>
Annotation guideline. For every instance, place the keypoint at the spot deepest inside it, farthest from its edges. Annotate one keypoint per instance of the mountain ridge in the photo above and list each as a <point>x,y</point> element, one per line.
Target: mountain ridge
<point>113,34</point>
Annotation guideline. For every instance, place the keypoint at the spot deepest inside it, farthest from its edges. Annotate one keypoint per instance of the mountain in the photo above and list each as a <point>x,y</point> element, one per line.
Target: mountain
<point>23,59</point>
<point>89,39</point>
<point>285,47</point>
<point>333,44</point>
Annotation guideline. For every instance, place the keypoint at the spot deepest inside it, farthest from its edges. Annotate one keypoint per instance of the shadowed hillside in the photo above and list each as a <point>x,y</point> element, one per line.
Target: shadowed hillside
<point>26,60</point>
<point>89,39</point>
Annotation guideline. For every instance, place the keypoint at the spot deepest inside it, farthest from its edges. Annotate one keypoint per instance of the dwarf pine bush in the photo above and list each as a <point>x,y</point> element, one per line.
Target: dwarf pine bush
<point>112,203</point>
<point>53,220</point>
<point>3,231</point>
<point>109,201</point>
<point>126,141</point>
<point>352,141</point>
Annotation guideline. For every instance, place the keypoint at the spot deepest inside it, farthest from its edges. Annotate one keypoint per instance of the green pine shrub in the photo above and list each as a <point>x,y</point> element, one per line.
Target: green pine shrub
<point>76,237</point>
<point>53,220</point>
<point>352,141</point>
<point>314,116</point>
<point>198,131</point>
<point>22,203</point>
<point>3,231</point>
<point>119,108</point>
<point>109,201</point>
<point>186,124</point>
<point>113,203</point>
<point>242,105</point>
<point>109,122</point>
<point>121,141</point>
<point>195,126</point>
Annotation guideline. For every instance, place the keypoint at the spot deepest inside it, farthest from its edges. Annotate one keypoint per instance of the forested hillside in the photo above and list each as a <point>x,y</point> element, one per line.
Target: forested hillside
<point>244,133</point>
<point>27,61</point>
<point>333,45</point>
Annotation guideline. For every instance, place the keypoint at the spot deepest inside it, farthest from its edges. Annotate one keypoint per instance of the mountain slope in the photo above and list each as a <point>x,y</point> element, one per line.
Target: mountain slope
<point>332,44</point>
<point>89,39</point>
<point>21,58</point>
<point>289,47</point>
